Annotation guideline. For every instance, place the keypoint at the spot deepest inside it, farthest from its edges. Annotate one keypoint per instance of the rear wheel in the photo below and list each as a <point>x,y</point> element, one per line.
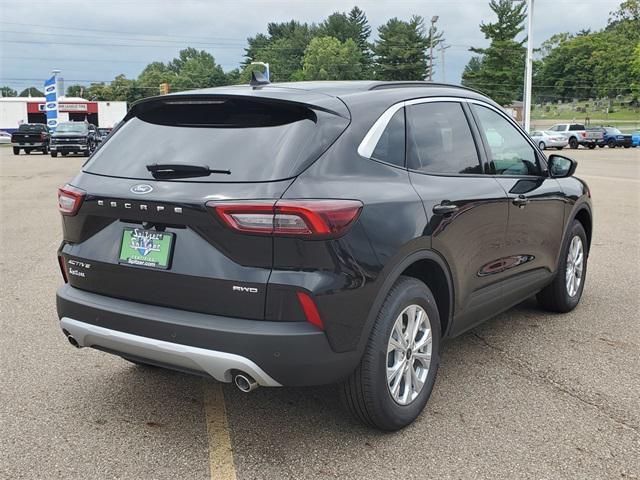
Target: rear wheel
<point>542,146</point>
<point>16,151</point>
<point>393,382</point>
<point>573,142</point>
<point>611,143</point>
<point>564,293</point>
<point>27,151</point>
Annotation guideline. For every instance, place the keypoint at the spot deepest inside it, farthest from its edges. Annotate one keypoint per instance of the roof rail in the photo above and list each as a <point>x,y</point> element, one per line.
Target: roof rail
<point>419,83</point>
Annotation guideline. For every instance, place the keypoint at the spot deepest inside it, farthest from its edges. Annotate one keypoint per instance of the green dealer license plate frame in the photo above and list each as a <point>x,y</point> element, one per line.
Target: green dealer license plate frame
<point>146,248</point>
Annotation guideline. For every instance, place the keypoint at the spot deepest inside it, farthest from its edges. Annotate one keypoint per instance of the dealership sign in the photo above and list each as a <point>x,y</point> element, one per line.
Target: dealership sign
<point>51,106</point>
<point>64,107</point>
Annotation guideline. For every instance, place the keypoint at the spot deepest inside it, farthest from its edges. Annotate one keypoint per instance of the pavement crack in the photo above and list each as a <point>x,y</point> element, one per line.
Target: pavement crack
<point>528,371</point>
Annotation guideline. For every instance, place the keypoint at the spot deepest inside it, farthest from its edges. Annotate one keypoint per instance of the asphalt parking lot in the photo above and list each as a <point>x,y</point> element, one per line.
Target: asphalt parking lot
<point>526,395</point>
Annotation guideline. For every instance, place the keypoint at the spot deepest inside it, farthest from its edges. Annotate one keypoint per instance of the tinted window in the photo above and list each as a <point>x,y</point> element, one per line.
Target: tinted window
<point>72,128</point>
<point>439,139</point>
<point>509,153</point>
<point>576,126</point>
<point>26,127</point>
<point>390,147</point>
<point>256,140</point>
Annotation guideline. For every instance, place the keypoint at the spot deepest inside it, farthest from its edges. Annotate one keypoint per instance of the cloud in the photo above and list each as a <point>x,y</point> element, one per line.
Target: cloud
<point>150,30</point>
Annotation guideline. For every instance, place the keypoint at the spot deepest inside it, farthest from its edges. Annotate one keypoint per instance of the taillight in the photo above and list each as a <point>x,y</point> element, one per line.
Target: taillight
<point>304,218</point>
<point>69,199</point>
<point>310,310</point>
<point>63,268</point>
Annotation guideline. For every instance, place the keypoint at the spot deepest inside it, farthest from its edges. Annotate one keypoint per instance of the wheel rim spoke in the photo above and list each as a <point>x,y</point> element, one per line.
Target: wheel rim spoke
<point>409,354</point>
<point>574,266</point>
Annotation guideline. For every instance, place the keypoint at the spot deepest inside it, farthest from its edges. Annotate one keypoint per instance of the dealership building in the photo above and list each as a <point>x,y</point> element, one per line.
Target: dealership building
<point>17,110</point>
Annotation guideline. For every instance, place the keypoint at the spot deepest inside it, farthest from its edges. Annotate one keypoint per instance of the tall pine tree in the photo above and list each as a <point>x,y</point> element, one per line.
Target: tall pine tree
<point>500,73</point>
<point>401,51</point>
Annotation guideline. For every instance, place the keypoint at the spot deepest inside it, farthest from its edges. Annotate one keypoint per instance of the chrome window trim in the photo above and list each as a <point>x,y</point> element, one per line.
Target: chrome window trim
<point>371,139</point>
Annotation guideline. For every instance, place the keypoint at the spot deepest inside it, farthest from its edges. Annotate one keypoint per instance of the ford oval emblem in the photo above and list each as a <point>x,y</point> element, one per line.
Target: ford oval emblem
<point>141,189</point>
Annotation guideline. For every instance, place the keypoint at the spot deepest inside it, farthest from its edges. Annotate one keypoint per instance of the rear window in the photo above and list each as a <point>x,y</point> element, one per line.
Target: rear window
<point>576,126</point>
<point>31,128</point>
<point>255,140</point>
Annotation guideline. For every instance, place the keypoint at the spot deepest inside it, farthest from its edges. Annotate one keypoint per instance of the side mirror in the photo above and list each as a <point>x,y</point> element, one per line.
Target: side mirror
<point>561,167</point>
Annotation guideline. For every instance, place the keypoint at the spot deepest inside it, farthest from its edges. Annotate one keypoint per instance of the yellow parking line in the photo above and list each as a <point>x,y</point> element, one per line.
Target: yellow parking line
<point>220,451</point>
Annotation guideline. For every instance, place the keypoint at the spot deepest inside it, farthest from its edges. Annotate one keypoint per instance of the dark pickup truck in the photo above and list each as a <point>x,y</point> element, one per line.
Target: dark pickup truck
<point>29,137</point>
<point>74,137</point>
<point>612,138</point>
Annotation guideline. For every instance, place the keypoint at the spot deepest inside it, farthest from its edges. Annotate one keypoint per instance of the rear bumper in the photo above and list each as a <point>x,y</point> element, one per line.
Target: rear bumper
<point>274,353</point>
<point>28,144</point>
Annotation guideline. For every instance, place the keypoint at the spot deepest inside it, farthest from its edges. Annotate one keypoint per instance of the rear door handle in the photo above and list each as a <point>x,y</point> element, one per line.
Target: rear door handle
<point>520,201</point>
<point>445,208</point>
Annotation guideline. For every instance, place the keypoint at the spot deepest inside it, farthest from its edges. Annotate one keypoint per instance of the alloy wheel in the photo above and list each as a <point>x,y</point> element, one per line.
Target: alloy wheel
<point>409,354</point>
<point>575,266</point>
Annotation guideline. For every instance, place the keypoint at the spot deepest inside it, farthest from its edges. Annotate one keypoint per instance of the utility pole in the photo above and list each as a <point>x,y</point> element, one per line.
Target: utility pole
<point>432,30</point>
<point>528,70</point>
<point>443,75</point>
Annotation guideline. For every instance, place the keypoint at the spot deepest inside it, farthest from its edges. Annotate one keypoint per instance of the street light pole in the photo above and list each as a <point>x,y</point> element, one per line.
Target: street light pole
<point>434,19</point>
<point>528,70</point>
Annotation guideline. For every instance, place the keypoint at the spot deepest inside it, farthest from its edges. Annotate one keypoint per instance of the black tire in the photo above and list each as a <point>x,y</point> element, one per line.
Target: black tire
<point>611,143</point>
<point>45,150</point>
<point>627,146</point>
<point>559,148</point>
<point>366,393</point>
<point>555,297</point>
<point>591,146</point>
<point>54,154</point>
<point>542,145</point>
<point>16,150</point>
<point>602,146</point>
<point>573,143</point>
<point>64,154</point>
<point>27,151</point>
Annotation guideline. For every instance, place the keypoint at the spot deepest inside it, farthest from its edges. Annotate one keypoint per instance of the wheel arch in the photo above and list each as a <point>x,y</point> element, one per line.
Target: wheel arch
<point>427,266</point>
<point>583,215</point>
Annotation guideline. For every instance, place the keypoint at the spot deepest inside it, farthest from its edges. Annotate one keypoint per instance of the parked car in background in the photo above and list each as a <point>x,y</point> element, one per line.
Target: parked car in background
<point>284,262</point>
<point>635,139</point>
<point>30,137</point>
<point>5,137</point>
<point>612,138</point>
<point>545,138</point>
<point>577,134</point>
<point>74,137</point>
<point>103,133</point>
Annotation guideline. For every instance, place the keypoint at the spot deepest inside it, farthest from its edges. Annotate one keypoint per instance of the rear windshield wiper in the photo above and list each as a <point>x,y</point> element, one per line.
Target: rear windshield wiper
<point>182,170</point>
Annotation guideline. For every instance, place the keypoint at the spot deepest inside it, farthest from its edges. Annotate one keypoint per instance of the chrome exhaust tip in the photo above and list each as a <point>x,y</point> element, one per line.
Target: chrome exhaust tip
<point>245,382</point>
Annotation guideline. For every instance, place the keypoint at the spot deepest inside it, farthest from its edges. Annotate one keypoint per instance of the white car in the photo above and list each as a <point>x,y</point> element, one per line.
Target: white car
<point>545,139</point>
<point>5,137</point>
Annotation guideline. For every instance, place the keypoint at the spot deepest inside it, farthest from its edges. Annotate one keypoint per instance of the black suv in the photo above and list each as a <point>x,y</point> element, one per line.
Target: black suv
<point>312,233</point>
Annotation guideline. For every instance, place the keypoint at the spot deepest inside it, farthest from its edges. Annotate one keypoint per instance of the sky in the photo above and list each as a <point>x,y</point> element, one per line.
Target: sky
<point>91,40</point>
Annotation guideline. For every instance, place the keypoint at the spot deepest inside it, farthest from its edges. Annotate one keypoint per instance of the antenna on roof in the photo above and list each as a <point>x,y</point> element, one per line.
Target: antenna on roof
<point>258,79</point>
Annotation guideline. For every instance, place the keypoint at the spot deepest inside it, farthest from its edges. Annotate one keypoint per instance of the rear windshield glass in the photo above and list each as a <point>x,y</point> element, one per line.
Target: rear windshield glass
<point>255,140</point>
<point>71,128</point>
<point>30,128</point>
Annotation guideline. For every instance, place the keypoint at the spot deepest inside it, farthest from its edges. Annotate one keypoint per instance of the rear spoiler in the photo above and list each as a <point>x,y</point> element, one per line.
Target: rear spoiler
<point>290,96</point>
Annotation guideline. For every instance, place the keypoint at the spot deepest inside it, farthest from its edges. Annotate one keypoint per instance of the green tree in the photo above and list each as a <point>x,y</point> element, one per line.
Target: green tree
<point>501,71</point>
<point>98,92</point>
<point>6,91</point>
<point>76,90</point>
<point>31,92</point>
<point>196,69</point>
<point>327,58</point>
<point>401,51</point>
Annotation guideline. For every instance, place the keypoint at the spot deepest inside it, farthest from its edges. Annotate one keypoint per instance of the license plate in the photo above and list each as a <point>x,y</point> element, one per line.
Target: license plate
<point>146,248</point>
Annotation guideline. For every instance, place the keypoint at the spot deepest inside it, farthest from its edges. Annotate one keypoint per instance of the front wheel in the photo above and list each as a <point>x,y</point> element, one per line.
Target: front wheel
<point>564,293</point>
<point>573,143</point>
<point>393,382</point>
<point>542,146</point>
<point>611,144</point>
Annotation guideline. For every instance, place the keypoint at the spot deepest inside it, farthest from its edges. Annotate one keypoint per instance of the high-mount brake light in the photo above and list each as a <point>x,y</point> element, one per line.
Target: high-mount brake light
<point>298,218</point>
<point>69,199</point>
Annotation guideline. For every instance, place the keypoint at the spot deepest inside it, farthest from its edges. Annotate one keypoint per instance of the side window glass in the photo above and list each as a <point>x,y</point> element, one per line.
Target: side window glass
<point>509,152</point>
<point>391,146</point>
<point>439,139</point>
